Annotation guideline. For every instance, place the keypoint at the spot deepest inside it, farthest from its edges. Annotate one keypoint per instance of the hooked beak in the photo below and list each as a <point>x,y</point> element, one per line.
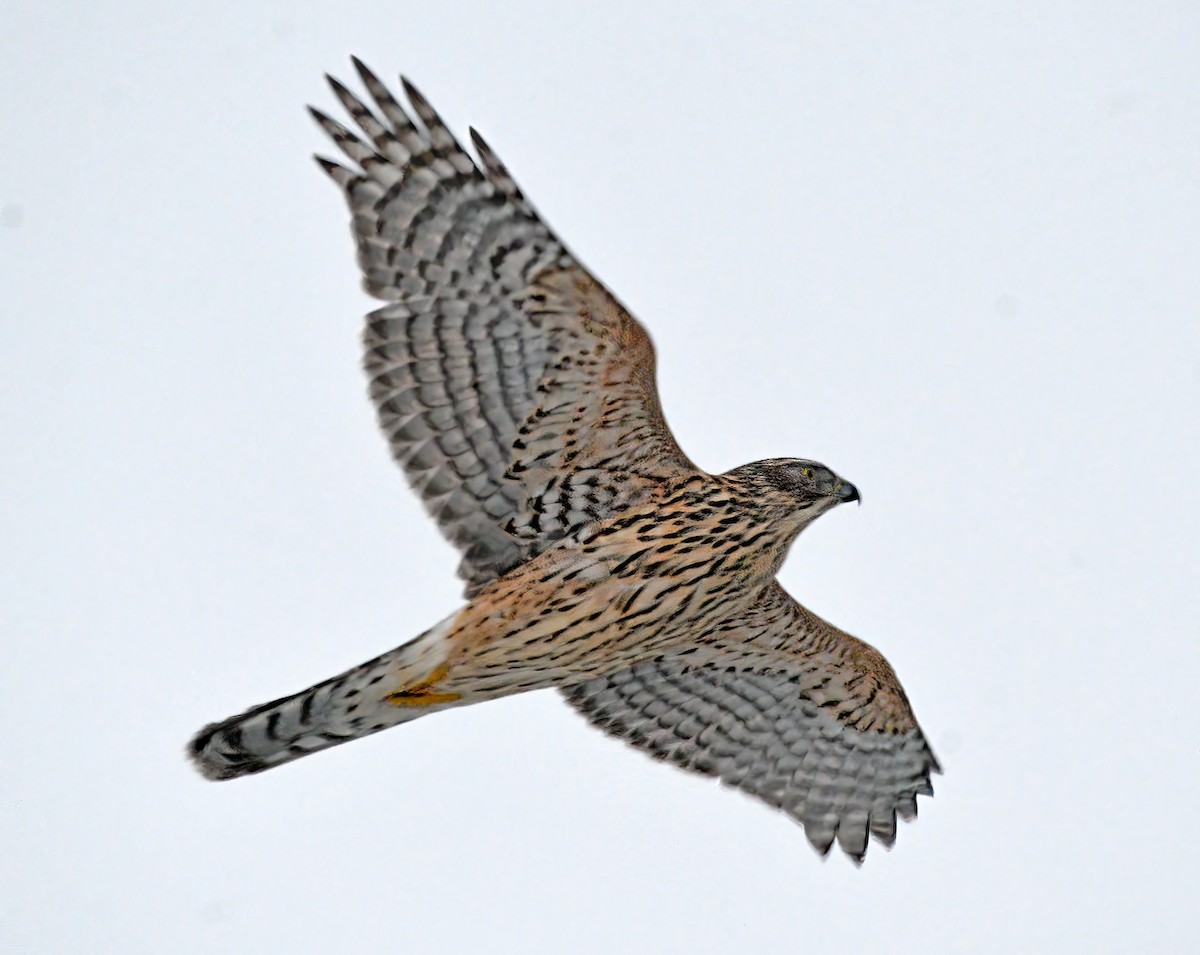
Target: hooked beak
<point>847,492</point>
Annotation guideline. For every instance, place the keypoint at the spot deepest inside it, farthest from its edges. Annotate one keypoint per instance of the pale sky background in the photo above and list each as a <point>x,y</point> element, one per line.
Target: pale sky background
<point>951,250</point>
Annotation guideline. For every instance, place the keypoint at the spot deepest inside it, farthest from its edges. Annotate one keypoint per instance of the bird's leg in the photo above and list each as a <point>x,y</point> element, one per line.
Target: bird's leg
<point>422,692</point>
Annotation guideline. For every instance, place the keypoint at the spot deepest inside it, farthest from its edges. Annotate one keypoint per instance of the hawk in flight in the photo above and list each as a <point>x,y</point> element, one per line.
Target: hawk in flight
<point>518,395</point>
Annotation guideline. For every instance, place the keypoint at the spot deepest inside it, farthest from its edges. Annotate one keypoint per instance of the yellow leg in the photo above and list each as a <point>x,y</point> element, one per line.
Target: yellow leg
<point>421,694</point>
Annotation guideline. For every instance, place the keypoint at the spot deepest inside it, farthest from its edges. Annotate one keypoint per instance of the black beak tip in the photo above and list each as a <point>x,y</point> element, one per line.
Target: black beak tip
<point>848,493</point>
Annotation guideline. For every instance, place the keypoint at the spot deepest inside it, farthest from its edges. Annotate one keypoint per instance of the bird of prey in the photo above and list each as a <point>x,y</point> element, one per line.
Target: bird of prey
<point>518,396</point>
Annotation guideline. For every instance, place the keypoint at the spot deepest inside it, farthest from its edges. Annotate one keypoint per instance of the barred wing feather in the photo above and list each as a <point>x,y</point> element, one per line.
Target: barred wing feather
<point>785,707</point>
<point>516,393</point>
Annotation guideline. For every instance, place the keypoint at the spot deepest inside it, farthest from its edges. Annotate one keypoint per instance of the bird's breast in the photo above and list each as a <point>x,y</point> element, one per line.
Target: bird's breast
<point>633,588</point>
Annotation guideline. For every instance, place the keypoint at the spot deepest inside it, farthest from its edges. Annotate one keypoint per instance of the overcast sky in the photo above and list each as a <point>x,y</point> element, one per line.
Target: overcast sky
<point>951,250</point>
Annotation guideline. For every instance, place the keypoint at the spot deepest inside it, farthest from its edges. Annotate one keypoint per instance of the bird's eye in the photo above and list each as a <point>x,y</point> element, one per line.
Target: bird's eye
<point>807,472</point>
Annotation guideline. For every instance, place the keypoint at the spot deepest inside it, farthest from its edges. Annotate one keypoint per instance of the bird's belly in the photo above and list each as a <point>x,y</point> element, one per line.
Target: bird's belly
<point>578,613</point>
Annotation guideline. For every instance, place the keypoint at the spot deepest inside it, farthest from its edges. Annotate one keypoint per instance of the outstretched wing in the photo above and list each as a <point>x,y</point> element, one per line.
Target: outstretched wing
<point>517,394</point>
<point>786,707</point>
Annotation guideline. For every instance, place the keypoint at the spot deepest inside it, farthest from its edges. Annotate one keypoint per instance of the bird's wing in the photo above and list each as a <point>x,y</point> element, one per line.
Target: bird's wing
<point>786,707</point>
<point>517,394</point>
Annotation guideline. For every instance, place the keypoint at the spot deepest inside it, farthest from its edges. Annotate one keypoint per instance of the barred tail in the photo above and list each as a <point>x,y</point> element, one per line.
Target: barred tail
<point>344,708</point>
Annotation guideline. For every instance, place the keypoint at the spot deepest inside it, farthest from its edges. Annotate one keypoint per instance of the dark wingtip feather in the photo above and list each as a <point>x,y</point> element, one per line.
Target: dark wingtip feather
<point>486,153</point>
<point>411,91</point>
<point>363,70</point>
<point>819,843</point>
<point>375,86</point>
<point>338,87</point>
<point>335,170</point>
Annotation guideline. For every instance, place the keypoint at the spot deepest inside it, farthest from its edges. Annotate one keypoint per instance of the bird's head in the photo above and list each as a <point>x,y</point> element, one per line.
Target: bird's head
<point>805,489</point>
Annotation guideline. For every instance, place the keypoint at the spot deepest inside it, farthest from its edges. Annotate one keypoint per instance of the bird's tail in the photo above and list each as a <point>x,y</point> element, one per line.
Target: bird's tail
<point>393,688</point>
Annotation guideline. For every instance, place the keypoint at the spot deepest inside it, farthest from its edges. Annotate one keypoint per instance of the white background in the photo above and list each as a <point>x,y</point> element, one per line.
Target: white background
<point>948,249</point>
